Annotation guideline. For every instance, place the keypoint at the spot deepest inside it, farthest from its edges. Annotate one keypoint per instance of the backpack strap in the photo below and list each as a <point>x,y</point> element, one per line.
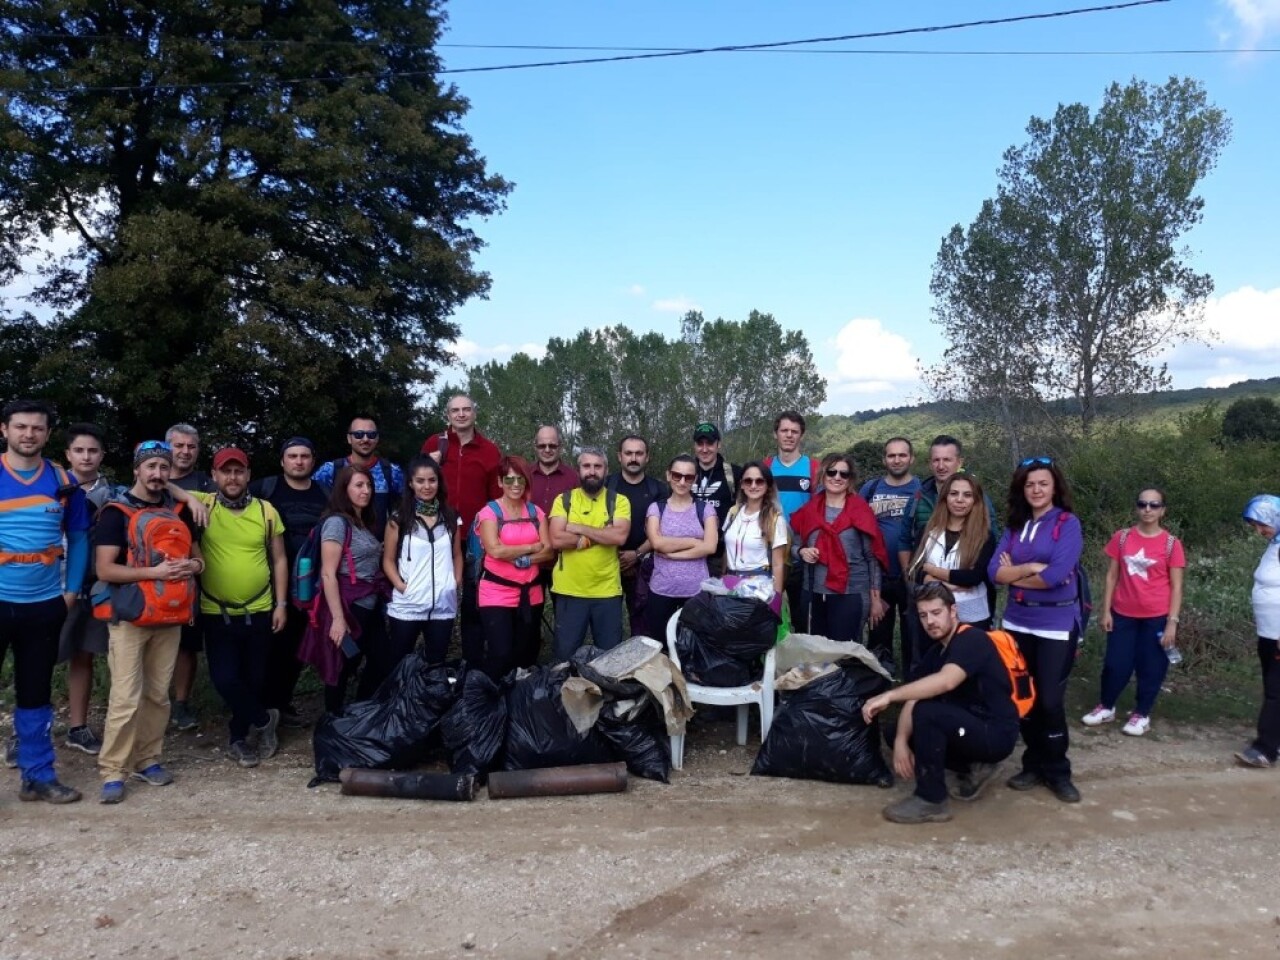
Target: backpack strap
<point>269,487</point>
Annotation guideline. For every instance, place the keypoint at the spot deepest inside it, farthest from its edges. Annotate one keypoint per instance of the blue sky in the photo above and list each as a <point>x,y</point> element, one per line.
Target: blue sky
<point>817,187</point>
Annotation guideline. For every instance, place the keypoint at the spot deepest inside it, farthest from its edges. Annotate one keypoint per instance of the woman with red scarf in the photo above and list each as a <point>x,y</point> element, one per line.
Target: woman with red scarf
<point>839,542</point>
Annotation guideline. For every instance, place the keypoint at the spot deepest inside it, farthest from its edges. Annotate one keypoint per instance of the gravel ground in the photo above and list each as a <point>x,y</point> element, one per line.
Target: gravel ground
<point>1173,853</point>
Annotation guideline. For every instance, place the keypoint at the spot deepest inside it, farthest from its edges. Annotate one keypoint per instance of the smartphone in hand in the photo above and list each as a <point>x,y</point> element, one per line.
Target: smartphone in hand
<point>349,648</point>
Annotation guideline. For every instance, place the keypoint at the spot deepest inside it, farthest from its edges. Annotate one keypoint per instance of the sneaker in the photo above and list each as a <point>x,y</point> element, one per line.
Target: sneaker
<point>156,775</point>
<point>912,809</point>
<point>82,738</point>
<point>112,792</point>
<point>243,754</point>
<point>970,786</point>
<point>1064,790</point>
<point>1137,725</point>
<point>1251,756</point>
<point>183,717</point>
<point>1025,780</point>
<point>265,737</point>
<point>11,753</point>
<point>50,791</point>
<point>1098,716</point>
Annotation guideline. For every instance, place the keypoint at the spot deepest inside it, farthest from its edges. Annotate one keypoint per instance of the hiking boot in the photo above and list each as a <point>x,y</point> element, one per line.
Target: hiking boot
<point>82,738</point>
<point>292,719</point>
<point>156,775</point>
<point>1098,716</point>
<point>182,717</point>
<point>1025,780</point>
<point>971,785</point>
<point>265,738</point>
<point>1251,756</point>
<point>1064,790</point>
<point>50,791</point>
<point>11,753</point>
<point>112,792</point>
<point>243,754</point>
<point>912,809</point>
<point>1137,725</point>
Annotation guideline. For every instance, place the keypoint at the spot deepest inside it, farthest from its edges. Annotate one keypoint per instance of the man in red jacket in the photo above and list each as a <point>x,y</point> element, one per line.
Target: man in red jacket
<point>469,461</point>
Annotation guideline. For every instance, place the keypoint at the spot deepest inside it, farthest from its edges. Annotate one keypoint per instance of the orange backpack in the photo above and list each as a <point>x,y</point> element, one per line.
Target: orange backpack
<point>1023,687</point>
<point>155,534</point>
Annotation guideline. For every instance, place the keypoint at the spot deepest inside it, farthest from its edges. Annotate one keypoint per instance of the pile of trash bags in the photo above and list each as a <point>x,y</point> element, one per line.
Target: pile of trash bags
<point>818,732</point>
<point>722,636</point>
<point>600,707</point>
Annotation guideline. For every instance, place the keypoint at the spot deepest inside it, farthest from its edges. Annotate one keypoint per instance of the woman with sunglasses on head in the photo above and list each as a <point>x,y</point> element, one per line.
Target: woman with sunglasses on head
<point>1140,607</point>
<point>1036,559</point>
<point>516,538</point>
<point>756,534</point>
<point>1263,514</point>
<point>838,540</point>
<point>956,547</point>
<point>422,557</point>
<point>682,533</point>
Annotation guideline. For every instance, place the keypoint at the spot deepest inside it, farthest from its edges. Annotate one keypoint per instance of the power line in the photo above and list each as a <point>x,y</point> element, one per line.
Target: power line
<point>780,46</point>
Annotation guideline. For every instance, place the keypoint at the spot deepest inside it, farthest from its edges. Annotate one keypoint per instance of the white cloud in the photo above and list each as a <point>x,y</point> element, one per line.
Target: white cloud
<point>680,304</point>
<point>470,353</point>
<point>873,367</point>
<point>1225,380</point>
<point>1245,324</point>
<point>1255,19</point>
<point>636,290</point>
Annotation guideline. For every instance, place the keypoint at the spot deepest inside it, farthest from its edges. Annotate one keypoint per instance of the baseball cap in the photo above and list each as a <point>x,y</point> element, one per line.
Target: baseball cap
<point>706,431</point>
<point>150,449</point>
<point>229,455</point>
<point>297,442</point>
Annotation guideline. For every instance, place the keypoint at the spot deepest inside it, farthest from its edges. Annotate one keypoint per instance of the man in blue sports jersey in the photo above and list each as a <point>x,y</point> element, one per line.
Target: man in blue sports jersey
<point>38,507</point>
<point>795,476</point>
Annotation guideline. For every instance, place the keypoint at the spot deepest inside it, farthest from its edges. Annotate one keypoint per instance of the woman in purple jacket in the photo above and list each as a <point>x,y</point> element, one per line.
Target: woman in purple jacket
<point>1036,560</point>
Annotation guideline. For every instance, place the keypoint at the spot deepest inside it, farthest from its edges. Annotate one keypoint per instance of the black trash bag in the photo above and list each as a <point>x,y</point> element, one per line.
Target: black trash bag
<point>611,687</point>
<point>475,727</point>
<point>391,730</point>
<point>539,731</point>
<point>641,742</point>
<point>818,732</point>
<point>720,639</point>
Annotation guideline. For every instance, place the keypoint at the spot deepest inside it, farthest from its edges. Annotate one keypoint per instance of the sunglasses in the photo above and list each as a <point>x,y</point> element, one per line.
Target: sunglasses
<point>154,445</point>
<point>363,434</point>
<point>1037,462</point>
<point>753,481</point>
<point>547,446</point>
<point>842,474</point>
<point>682,477</point>
<point>512,481</point>
<point>1150,504</point>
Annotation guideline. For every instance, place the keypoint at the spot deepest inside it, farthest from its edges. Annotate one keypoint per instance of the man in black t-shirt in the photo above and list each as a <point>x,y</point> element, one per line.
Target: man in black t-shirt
<point>635,556</point>
<point>300,501</point>
<point>961,718</point>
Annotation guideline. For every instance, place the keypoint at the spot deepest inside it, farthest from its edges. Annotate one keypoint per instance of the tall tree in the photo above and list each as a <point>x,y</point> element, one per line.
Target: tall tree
<point>271,203</point>
<point>1077,261</point>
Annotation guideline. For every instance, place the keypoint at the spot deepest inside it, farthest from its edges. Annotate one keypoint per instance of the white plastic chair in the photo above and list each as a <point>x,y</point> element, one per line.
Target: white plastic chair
<point>759,693</point>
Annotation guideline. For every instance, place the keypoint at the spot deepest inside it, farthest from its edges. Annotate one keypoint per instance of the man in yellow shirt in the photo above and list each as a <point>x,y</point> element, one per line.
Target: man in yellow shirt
<point>244,597</point>
<point>586,581</point>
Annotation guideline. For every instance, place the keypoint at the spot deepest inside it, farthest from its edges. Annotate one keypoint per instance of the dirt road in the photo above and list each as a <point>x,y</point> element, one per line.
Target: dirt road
<point>1173,854</point>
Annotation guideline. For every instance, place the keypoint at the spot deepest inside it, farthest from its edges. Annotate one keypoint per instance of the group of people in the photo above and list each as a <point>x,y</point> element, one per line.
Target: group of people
<point>469,535</point>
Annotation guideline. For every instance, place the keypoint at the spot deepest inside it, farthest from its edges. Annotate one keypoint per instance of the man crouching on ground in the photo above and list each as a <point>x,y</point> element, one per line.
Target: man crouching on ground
<point>962,717</point>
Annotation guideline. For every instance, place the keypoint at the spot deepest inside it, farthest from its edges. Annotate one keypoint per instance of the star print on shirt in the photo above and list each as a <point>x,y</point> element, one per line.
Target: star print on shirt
<point>1139,563</point>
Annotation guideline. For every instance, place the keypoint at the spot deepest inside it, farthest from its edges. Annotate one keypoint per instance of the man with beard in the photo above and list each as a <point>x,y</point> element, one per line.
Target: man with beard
<point>588,525</point>
<point>714,484</point>
<point>185,441</point>
<point>388,478</point>
<point>39,508</point>
<point>889,497</point>
<point>635,559</point>
<point>142,656</point>
<point>244,593</point>
<point>300,501</point>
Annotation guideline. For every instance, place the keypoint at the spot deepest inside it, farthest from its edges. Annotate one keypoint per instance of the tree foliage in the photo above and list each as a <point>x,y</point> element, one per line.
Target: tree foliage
<point>1252,418</point>
<point>1071,281</point>
<point>270,205</point>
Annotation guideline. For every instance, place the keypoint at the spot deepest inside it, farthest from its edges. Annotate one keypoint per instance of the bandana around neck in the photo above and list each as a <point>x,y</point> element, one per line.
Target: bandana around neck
<point>427,508</point>
<point>238,504</point>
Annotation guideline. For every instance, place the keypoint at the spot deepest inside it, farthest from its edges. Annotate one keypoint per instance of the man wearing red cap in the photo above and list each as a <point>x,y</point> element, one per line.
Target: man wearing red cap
<point>244,598</point>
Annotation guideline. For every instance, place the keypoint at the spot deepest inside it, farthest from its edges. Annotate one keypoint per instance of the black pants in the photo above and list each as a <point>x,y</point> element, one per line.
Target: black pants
<point>402,638</point>
<point>512,638</point>
<point>836,616</point>
<point>469,618</point>
<point>1044,729</point>
<point>238,648</point>
<point>947,737</point>
<point>283,665</point>
<point>1268,740</point>
<point>635,591</point>
<point>893,591</point>
<point>793,587</point>
<point>373,653</point>
<point>32,629</point>
<point>660,610</point>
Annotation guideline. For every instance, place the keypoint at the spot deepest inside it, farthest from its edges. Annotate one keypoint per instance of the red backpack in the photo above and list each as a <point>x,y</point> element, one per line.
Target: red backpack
<point>155,534</point>
<point>1020,683</point>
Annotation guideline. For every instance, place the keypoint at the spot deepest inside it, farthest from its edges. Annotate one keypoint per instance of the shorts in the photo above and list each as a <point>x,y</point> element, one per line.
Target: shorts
<point>81,633</point>
<point>192,638</point>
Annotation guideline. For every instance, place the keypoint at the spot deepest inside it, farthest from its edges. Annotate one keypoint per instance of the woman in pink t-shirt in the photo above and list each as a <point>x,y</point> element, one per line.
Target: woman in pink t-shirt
<point>1140,607</point>
<point>516,539</point>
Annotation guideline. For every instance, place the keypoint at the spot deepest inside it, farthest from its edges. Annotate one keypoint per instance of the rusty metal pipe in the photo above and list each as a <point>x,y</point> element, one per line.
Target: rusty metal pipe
<point>407,786</point>
<point>558,781</point>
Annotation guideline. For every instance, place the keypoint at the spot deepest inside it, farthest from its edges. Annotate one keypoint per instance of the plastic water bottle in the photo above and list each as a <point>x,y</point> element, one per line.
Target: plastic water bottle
<point>305,587</point>
<point>1174,655</point>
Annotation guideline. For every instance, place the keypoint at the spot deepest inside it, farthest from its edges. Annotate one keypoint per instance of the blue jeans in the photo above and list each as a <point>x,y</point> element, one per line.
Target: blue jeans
<point>575,614</point>
<point>1134,645</point>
